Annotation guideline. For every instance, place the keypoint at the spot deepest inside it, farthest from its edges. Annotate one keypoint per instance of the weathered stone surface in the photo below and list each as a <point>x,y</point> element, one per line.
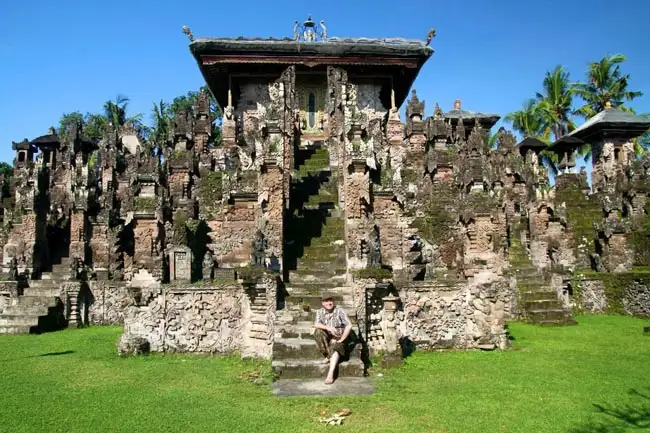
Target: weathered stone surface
<point>132,346</point>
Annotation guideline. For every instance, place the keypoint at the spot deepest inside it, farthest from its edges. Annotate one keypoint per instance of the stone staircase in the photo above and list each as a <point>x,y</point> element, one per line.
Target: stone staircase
<point>539,303</point>
<point>538,300</point>
<point>39,307</point>
<point>259,309</point>
<point>315,251</point>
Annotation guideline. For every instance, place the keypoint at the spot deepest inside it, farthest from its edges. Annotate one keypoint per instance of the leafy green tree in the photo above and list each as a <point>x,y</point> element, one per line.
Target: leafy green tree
<point>529,121</point>
<point>160,129</point>
<point>605,85</point>
<point>554,103</point>
<point>186,103</point>
<point>6,172</point>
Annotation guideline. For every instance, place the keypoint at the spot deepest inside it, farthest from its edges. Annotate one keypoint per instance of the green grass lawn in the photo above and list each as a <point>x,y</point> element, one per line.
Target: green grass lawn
<point>551,381</point>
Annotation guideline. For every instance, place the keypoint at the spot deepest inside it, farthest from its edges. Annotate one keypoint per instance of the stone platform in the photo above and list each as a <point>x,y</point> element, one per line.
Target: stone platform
<point>343,386</point>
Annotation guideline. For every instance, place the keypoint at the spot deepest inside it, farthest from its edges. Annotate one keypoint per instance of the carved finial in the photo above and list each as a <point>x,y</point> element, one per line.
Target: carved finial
<point>457,104</point>
<point>608,104</point>
<point>188,32</point>
<point>323,34</point>
<point>431,35</point>
<point>308,32</point>
<point>296,32</point>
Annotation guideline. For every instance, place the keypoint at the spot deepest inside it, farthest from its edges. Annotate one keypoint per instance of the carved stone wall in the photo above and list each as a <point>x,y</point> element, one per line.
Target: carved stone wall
<point>186,318</point>
<point>231,234</point>
<point>107,302</point>
<point>440,316</point>
<point>637,299</point>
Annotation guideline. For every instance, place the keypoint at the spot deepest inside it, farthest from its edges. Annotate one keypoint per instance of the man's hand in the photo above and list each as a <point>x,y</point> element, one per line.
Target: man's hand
<point>332,331</point>
<point>340,340</point>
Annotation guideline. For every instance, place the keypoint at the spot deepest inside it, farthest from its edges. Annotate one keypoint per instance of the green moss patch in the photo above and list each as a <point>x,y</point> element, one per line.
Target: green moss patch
<point>581,212</point>
<point>615,285</point>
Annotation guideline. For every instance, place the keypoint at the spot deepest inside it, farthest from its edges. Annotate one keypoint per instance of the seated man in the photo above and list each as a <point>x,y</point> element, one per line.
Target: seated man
<point>332,327</point>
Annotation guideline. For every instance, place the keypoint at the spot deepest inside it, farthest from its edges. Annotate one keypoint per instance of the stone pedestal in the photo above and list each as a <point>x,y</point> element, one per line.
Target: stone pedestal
<point>180,264</point>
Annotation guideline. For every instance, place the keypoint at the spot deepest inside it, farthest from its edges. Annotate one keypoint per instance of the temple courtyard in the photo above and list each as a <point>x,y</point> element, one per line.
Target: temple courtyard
<point>587,378</point>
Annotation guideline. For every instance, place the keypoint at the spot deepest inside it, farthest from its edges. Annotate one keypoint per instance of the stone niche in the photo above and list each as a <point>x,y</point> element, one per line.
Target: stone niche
<point>180,264</point>
<point>310,95</point>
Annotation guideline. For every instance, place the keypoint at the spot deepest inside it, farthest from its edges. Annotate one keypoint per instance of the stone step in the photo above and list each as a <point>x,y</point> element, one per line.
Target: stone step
<point>313,301</point>
<point>295,348</point>
<point>18,320</point>
<point>301,329</point>
<point>15,329</point>
<point>46,283</point>
<point>303,368</point>
<point>42,291</point>
<point>550,304</point>
<point>261,335</point>
<point>58,275</point>
<point>259,301</point>
<point>259,327</point>
<point>26,310</point>
<point>542,315</point>
<point>528,296</point>
<point>567,321</point>
<point>311,276</point>
<point>28,300</point>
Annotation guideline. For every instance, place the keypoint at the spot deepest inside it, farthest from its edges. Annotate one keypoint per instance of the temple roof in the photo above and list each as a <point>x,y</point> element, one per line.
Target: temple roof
<point>400,59</point>
<point>615,122</point>
<point>532,143</point>
<point>487,121</point>
<point>47,140</point>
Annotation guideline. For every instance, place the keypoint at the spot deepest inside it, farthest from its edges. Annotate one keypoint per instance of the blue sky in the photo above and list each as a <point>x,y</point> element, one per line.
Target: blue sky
<point>62,56</point>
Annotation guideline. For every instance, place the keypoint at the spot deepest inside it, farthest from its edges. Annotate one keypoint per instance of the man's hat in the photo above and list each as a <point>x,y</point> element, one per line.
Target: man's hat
<point>325,296</point>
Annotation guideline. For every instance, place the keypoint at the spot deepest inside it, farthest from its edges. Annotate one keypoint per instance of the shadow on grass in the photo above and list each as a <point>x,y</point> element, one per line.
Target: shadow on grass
<point>66,352</point>
<point>621,418</point>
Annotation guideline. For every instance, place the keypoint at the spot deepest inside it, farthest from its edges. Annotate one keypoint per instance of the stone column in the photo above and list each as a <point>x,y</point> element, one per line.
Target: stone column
<point>99,245</point>
<point>271,191</point>
<point>77,234</point>
<point>357,197</point>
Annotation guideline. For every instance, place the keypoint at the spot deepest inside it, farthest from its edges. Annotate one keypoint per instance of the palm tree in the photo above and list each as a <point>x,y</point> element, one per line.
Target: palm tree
<point>555,102</point>
<point>530,122</point>
<point>606,85</point>
<point>115,114</point>
<point>160,130</point>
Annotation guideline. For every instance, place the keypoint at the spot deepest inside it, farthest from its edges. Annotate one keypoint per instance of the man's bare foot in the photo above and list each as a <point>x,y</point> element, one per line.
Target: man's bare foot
<point>329,381</point>
<point>326,361</point>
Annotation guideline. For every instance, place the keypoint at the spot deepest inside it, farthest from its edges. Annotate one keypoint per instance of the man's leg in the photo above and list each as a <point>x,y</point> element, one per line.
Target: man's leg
<point>330,374</point>
<point>338,350</point>
<point>322,341</point>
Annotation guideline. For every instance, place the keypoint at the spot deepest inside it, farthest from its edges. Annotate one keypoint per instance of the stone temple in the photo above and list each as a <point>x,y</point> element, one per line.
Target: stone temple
<point>428,236</point>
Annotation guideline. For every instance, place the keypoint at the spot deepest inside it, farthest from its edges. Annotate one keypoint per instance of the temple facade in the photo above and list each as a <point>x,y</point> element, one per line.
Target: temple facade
<point>426,234</point>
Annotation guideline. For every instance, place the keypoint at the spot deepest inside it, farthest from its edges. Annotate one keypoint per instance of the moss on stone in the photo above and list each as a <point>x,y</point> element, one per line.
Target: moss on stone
<point>435,224</point>
<point>409,176</point>
<point>373,273</point>
<point>581,212</point>
<point>145,203</point>
<point>640,238</point>
<point>211,187</point>
<point>615,285</point>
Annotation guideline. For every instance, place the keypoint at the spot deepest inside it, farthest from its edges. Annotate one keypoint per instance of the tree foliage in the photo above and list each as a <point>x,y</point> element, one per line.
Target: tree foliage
<point>605,85</point>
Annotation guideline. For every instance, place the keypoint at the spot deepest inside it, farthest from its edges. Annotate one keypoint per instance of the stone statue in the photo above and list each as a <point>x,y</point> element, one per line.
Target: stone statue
<point>208,266</point>
<point>258,254</point>
<point>373,248</point>
<point>13,269</point>
<point>296,32</point>
<point>431,35</point>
